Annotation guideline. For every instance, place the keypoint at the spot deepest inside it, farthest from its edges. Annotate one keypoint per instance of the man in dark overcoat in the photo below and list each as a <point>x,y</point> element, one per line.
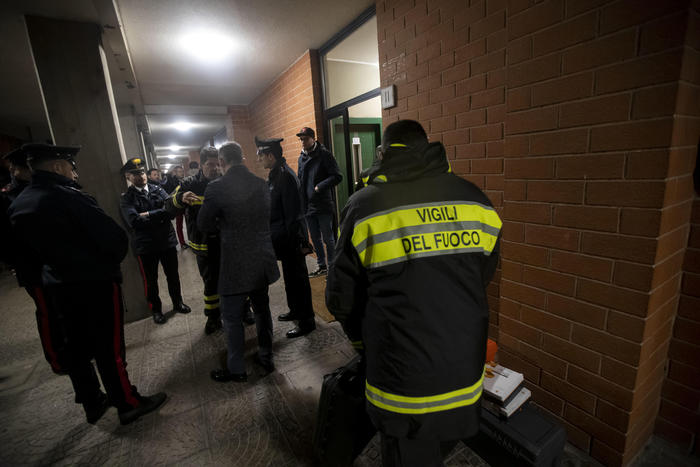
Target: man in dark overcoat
<point>237,204</point>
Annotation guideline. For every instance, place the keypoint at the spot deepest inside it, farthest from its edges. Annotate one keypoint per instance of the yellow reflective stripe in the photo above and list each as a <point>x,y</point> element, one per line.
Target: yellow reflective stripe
<point>198,246</point>
<point>449,167</point>
<point>426,404</point>
<point>397,145</point>
<point>365,180</point>
<point>200,200</point>
<point>211,297</point>
<point>429,229</point>
<point>380,178</point>
<point>358,344</point>
<point>177,205</point>
<point>212,306</point>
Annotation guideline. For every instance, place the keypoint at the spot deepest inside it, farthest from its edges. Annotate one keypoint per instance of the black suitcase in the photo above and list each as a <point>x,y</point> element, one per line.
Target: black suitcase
<point>528,437</point>
<point>343,427</point>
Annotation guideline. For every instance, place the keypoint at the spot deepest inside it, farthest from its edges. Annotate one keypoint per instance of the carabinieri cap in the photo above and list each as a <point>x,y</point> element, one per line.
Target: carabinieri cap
<point>43,152</point>
<point>134,165</point>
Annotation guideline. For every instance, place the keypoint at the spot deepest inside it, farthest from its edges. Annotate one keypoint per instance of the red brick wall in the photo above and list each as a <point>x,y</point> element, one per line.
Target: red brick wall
<point>292,101</point>
<point>679,414</point>
<point>679,417</point>
<point>579,119</point>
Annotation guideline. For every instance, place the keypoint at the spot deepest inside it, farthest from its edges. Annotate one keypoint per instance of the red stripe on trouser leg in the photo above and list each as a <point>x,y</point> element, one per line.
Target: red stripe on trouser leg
<point>119,360</point>
<point>145,282</point>
<point>44,330</point>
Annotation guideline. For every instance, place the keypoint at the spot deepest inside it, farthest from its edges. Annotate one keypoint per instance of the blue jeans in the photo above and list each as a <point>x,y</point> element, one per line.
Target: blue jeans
<point>232,312</point>
<point>321,225</point>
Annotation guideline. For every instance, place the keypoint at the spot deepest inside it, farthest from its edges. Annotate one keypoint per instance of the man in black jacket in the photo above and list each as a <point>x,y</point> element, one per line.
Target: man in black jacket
<point>288,233</point>
<point>153,237</point>
<point>417,248</point>
<point>78,248</point>
<point>318,173</point>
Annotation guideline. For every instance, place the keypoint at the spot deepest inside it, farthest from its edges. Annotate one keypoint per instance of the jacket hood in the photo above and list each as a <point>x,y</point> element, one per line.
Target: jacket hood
<point>403,163</point>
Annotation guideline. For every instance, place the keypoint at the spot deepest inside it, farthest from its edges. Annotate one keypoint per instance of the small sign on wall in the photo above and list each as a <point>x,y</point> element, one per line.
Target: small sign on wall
<point>388,97</point>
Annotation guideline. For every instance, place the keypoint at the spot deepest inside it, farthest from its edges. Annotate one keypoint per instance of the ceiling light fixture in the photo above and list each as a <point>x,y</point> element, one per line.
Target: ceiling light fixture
<point>174,147</point>
<point>208,46</point>
<point>182,126</point>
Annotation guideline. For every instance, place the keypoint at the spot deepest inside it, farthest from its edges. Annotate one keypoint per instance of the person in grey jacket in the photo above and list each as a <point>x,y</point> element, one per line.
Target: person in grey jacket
<point>238,206</point>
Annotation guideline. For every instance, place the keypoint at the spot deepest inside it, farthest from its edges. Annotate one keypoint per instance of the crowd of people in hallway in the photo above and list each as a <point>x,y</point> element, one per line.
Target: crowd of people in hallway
<point>407,271</point>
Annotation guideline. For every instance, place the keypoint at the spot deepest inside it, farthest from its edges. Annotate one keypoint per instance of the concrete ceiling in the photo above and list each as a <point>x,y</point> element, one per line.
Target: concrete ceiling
<point>265,37</point>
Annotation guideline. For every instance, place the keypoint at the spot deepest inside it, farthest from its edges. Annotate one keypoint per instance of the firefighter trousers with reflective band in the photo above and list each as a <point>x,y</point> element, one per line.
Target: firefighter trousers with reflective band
<point>149,272</point>
<point>89,318</point>
<point>209,271</point>
<point>404,452</point>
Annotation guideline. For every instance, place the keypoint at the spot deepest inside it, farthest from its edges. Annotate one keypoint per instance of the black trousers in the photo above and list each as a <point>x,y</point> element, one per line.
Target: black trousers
<point>88,320</point>
<point>209,271</point>
<point>296,284</point>
<point>404,452</point>
<point>149,271</point>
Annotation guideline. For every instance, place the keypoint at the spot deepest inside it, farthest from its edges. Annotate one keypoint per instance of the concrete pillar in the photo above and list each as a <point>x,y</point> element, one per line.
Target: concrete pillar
<point>74,79</point>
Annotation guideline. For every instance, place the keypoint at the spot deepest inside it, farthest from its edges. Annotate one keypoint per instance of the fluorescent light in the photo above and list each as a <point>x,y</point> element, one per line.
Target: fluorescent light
<point>174,147</point>
<point>208,46</point>
<point>182,126</point>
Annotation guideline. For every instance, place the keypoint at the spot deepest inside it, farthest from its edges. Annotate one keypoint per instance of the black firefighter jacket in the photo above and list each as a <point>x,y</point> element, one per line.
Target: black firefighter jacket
<point>197,184</point>
<point>318,169</point>
<point>66,232</point>
<point>286,217</point>
<point>152,233</point>
<point>417,248</point>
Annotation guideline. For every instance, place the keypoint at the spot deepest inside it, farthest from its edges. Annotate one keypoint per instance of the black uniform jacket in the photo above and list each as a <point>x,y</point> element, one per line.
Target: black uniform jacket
<point>318,169</point>
<point>65,231</point>
<point>154,232</point>
<point>10,251</point>
<point>197,184</point>
<point>417,248</point>
<point>286,217</point>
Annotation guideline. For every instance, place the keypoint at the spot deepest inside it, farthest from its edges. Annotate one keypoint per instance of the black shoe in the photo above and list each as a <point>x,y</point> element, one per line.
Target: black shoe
<point>158,317</point>
<point>95,410</point>
<point>182,308</point>
<point>224,376</point>
<point>319,272</point>
<point>301,330</point>
<point>287,317</point>
<point>267,365</point>
<point>147,404</point>
<point>213,325</point>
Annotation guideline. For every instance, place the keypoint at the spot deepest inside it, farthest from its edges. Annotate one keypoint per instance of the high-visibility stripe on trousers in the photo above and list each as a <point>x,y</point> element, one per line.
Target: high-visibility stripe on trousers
<point>211,302</point>
<point>425,404</point>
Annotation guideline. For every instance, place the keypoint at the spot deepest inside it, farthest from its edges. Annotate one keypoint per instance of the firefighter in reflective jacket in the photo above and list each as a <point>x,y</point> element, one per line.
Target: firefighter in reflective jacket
<point>417,248</point>
<point>188,196</point>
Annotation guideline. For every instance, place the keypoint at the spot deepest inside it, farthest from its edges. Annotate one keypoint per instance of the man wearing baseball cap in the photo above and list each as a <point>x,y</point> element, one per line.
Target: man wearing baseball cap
<point>77,248</point>
<point>153,236</point>
<point>319,174</point>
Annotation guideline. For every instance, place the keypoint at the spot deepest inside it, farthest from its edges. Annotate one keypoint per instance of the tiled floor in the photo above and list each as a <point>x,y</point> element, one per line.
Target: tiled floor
<point>267,421</point>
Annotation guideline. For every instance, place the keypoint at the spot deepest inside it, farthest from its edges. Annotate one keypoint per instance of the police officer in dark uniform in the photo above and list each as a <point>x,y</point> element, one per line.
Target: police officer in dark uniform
<point>153,237</point>
<point>20,177</point>
<point>187,197</point>
<point>417,248</point>
<point>78,248</point>
<point>27,269</point>
<point>288,233</point>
